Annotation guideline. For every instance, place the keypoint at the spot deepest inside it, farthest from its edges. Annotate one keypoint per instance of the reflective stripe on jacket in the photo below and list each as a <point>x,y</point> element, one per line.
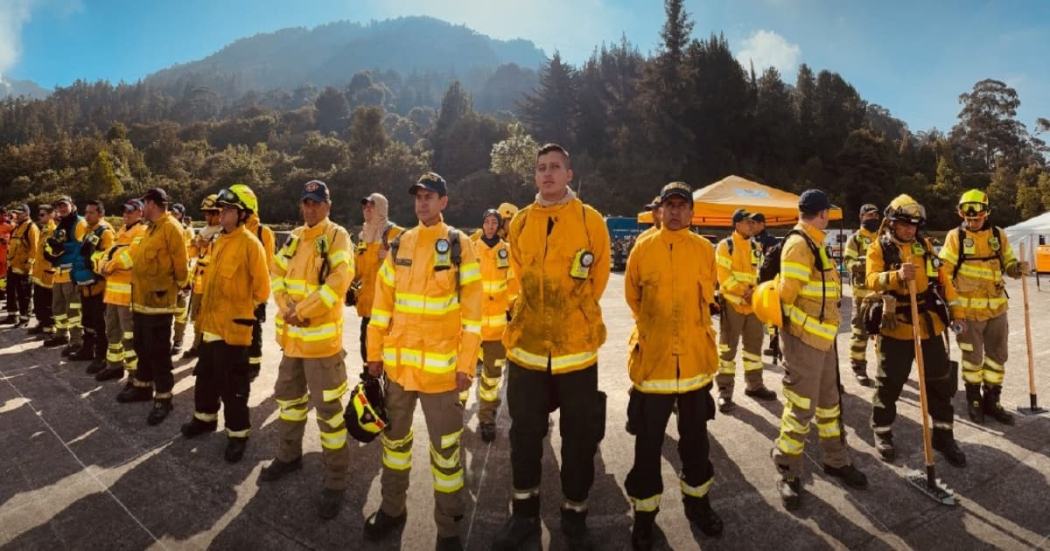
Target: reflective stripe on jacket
<point>426,323</point>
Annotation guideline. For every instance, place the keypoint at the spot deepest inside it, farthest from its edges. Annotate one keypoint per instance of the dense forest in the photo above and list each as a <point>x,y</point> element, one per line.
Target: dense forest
<point>632,121</point>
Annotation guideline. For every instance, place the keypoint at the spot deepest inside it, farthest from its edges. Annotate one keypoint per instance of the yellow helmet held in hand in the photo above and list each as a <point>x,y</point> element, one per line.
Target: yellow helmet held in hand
<point>974,204</point>
<point>765,301</point>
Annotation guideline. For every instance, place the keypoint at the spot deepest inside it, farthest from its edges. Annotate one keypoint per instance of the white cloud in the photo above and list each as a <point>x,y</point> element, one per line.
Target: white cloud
<point>769,49</point>
<point>13,15</point>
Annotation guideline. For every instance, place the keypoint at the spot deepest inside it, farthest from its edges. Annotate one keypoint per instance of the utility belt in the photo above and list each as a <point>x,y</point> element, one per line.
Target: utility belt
<point>874,306</point>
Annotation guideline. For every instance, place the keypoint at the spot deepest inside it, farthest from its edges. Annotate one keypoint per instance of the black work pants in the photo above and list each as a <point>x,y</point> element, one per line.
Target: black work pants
<point>153,347</point>
<point>19,291</point>
<point>648,415</point>
<point>255,350</point>
<point>364,341</point>
<point>531,397</point>
<point>42,306</point>
<point>896,357</point>
<point>94,311</point>
<point>222,376</point>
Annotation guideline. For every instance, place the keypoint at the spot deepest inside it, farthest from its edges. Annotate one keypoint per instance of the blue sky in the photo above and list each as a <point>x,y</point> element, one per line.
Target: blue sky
<point>912,57</point>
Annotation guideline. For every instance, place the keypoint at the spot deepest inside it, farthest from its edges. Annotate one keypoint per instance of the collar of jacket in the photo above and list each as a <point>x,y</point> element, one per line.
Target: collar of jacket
<point>984,227</point>
<point>432,233</point>
<point>161,220</point>
<point>673,237</point>
<point>569,196</point>
<point>873,235</point>
<point>491,243</point>
<point>816,235</point>
<point>127,227</point>
<point>237,231</point>
<point>101,224</point>
<point>739,238</point>
<point>312,232</point>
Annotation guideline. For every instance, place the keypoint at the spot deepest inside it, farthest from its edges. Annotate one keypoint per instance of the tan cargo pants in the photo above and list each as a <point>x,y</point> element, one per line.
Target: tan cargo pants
<point>444,417</point>
<point>985,350</point>
<point>120,334</point>
<point>320,383</point>
<point>810,389</point>
<point>733,327</point>
<point>65,307</point>
<point>494,358</point>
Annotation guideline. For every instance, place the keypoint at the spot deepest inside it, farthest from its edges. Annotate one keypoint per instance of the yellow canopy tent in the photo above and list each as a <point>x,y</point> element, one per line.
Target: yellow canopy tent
<point>713,206</point>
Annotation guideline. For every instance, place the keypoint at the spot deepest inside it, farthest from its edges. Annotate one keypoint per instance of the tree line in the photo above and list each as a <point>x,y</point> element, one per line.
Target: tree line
<point>633,122</point>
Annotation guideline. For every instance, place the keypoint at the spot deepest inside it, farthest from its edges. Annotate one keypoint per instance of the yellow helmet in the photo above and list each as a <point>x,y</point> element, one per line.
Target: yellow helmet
<point>906,209</point>
<point>765,301</point>
<point>974,204</point>
<point>239,196</point>
<point>210,203</point>
<point>507,211</point>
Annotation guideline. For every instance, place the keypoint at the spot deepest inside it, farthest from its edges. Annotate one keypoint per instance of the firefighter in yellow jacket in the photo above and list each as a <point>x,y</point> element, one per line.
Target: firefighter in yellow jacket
<point>120,332</point>
<point>43,276</point>
<point>500,286</point>
<point>856,257</point>
<point>738,260</point>
<point>669,286</point>
<point>159,269</point>
<point>60,250</point>
<point>901,255</point>
<point>21,248</point>
<point>199,251</point>
<point>236,284</point>
<point>309,277</point>
<point>265,236</point>
<point>559,249</point>
<point>372,248</point>
<point>178,212</point>
<point>809,292</point>
<point>975,257</point>
<point>425,332</point>
<point>98,238</point>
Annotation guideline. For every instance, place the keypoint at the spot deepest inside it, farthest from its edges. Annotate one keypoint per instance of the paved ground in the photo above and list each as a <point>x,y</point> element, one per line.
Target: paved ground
<point>79,471</point>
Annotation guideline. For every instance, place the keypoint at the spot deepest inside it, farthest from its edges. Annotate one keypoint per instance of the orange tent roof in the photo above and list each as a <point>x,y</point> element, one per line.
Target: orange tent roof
<point>713,206</point>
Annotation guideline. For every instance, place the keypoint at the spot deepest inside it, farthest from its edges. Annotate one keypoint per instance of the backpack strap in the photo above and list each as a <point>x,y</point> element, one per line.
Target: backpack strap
<point>996,231</point>
<point>386,231</point>
<point>817,258</point>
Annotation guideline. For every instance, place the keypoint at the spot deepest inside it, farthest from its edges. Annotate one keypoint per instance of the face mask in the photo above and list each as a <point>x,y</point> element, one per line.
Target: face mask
<point>871,225</point>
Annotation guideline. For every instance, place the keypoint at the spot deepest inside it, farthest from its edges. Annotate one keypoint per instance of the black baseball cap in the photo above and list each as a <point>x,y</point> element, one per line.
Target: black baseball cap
<point>431,181</point>
<point>812,201</point>
<point>157,195</point>
<point>681,189</point>
<point>315,190</point>
<point>868,208</point>
<point>64,199</point>
<point>133,205</point>
<point>759,217</point>
<point>740,215</point>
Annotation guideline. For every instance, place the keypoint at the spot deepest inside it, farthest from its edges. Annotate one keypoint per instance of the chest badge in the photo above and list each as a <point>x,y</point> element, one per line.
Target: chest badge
<point>502,259</point>
<point>968,246</point>
<point>994,244</point>
<point>917,249</point>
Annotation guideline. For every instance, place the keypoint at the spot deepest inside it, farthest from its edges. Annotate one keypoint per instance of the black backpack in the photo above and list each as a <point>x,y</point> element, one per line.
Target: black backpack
<point>771,263</point>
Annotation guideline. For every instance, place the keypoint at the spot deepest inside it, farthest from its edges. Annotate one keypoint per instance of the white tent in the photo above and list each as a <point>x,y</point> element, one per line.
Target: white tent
<point>1029,233</point>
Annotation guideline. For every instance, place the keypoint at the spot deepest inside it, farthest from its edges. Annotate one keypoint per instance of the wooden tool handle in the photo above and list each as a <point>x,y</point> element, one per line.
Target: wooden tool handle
<point>1027,327</point>
<point>917,336</point>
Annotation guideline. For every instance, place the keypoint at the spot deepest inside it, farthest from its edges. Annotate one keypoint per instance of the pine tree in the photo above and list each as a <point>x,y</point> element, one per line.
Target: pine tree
<point>551,112</point>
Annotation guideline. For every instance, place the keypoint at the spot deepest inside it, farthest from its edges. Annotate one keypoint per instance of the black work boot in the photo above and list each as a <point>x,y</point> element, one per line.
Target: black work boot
<point>161,408</point>
<point>698,510</point>
<point>974,403</point>
<point>110,373</point>
<point>642,530</point>
<point>944,442</point>
<point>196,427</point>
<point>96,366</point>
<point>133,393</point>
<point>36,330</point>
<point>884,445</point>
<point>11,319</point>
<point>725,404</point>
<point>849,475</point>
<point>70,349</point>
<point>574,526</point>
<point>57,340</point>
<point>85,352</point>
<point>277,469</point>
<point>235,449</point>
<point>790,489</point>
<point>761,393</point>
<point>331,501</point>
<point>993,407</point>
<point>860,371</point>
<point>379,525</point>
<point>488,432</point>
<point>522,527</point>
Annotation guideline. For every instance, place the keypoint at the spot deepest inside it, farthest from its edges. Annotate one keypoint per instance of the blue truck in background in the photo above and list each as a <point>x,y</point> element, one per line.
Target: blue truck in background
<point>622,232</point>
